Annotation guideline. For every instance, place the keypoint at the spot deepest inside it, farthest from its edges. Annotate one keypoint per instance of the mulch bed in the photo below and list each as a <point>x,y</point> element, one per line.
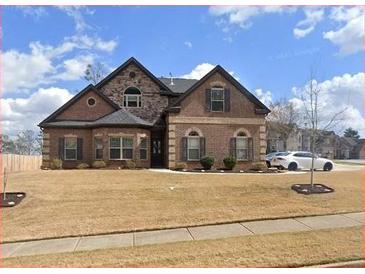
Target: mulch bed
<point>12,199</point>
<point>230,171</point>
<point>306,189</point>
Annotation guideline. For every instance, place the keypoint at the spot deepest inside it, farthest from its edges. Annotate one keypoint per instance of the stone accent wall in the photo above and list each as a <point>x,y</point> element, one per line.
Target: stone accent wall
<point>45,151</point>
<point>80,110</point>
<point>152,102</point>
<point>263,143</point>
<point>171,146</point>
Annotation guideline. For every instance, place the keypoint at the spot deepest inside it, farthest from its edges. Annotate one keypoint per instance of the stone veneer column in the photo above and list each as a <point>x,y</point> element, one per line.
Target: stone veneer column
<point>45,151</point>
<point>262,143</point>
<point>172,144</point>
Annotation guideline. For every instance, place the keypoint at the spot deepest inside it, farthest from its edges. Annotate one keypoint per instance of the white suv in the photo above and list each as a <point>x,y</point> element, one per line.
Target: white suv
<point>294,160</point>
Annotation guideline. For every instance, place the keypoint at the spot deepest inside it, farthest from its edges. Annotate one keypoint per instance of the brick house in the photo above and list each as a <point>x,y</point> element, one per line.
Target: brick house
<point>157,122</point>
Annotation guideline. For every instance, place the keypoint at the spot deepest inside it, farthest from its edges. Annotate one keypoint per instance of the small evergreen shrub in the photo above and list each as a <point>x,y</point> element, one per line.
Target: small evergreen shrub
<point>82,166</point>
<point>207,162</point>
<point>56,164</point>
<point>99,164</point>
<point>130,164</point>
<point>229,162</point>
<point>180,166</point>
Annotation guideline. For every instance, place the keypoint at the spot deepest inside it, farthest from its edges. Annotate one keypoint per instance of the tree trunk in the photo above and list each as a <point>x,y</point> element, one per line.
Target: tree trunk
<point>312,164</point>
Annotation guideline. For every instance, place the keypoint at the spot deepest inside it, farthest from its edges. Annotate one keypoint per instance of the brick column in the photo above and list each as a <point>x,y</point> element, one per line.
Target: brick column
<point>45,151</point>
<point>262,143</point>
<point>171,145</point>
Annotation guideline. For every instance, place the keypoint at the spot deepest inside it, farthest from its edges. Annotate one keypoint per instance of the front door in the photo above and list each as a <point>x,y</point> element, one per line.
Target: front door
<point>157,149</point>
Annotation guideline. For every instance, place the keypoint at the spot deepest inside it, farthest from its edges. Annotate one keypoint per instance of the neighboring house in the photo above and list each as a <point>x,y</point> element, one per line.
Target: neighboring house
<point>359,150</point>
<point>298,139</point>
<point>157,122</point>
<point>329,144</point>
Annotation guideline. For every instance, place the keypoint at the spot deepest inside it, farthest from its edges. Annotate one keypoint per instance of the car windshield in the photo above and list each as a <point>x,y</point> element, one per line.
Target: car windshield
<point>282,154</point>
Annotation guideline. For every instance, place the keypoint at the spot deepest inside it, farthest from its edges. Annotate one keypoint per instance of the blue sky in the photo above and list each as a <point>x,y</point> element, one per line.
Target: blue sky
<point>270,50</point>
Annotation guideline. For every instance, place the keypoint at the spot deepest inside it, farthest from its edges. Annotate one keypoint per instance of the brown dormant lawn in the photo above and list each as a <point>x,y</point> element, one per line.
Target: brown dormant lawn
<point>84,202</point>
<point>284,249</point>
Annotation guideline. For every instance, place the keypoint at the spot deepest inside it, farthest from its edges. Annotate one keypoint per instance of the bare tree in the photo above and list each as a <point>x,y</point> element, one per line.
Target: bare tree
<point>283,119</point>
<point>313,110</point>
<point>26,143</point>
<point>95,73</point>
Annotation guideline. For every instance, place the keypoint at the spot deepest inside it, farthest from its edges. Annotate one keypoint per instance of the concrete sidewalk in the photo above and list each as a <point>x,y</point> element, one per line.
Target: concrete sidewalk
<point>180,234</point>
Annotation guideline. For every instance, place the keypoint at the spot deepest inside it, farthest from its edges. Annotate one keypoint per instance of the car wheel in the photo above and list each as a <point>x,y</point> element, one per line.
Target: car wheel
<point>292,166</point>
<point>328,166</point>
<point>268,164</point>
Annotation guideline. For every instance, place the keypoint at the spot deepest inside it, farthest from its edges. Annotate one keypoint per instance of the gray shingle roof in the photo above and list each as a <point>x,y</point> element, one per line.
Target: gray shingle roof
<point>180,84</point>
<point>120,117</point>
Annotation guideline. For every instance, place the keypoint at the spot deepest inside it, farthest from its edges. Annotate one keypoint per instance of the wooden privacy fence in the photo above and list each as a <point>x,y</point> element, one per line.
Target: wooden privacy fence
<point>14,162</point>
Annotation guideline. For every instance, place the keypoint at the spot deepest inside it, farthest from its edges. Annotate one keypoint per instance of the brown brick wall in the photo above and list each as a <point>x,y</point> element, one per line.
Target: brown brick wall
<point>88,144</point>
<point>217,138</point>
<point>81,111</point>
<point>152,102</point>
<point>194,104</point>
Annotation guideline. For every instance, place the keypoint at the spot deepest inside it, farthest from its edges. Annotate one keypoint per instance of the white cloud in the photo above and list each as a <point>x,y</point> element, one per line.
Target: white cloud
<point>77,14</point>
<point>312,17</point>
<point>75,68</point>
<point>201,70</point>
<point>264,96</point>
<point>188,44</point>
<point>337,94</point>
<point>45,64</point>
<point>241,16</point>
<point>349,37</point>
<point>25,113</point>
<point>32,11</point>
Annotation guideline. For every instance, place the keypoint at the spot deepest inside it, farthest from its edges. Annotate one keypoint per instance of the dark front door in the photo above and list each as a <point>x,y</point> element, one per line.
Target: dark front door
<point>157,149</point>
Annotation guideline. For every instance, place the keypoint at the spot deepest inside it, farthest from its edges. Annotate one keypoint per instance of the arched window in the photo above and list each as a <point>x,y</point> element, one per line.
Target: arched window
<point>241,146</point>
<point>194,149</point>
<point>132,98</point>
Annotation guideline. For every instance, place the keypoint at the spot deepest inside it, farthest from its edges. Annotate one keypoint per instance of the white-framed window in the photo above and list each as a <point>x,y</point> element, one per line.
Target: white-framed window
<point>121,148</point>
<point>132,98</point>
<point>98,142</point>
<point>143,149</point>
<point>217,99</point>
<point>241,147</point>
<point>193,146</point>
<point>70,148</point>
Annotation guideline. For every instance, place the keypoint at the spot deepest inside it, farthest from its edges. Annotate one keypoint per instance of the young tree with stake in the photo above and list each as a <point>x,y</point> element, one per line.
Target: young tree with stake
<point>313,109</point>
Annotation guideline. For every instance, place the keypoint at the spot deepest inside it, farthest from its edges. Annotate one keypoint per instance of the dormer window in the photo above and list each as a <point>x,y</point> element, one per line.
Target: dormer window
<point>132,98</point>
<point>217,99</point>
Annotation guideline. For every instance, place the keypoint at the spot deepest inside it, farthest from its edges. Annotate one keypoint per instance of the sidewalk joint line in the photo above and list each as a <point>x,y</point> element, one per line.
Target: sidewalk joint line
<point>304,224</point>
<point>14,251</point>
<point>77,243</point>
<point>247,228</point>
<point>191,235</point>
<point>351,218</point>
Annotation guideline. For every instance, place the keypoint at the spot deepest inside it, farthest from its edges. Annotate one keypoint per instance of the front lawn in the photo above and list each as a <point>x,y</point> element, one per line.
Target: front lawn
<point>271,250</point>
<point>82,202</point>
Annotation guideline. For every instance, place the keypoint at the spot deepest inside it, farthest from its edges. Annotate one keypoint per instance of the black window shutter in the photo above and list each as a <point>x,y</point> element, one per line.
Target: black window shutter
<point>227,100</point>
<point>250,149</point>
<point>202,147</point>
<point>232,147</point>
<point>61,148</point>
<point>208,100</point>
<point>184,149</point>
<point>79,148</point>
